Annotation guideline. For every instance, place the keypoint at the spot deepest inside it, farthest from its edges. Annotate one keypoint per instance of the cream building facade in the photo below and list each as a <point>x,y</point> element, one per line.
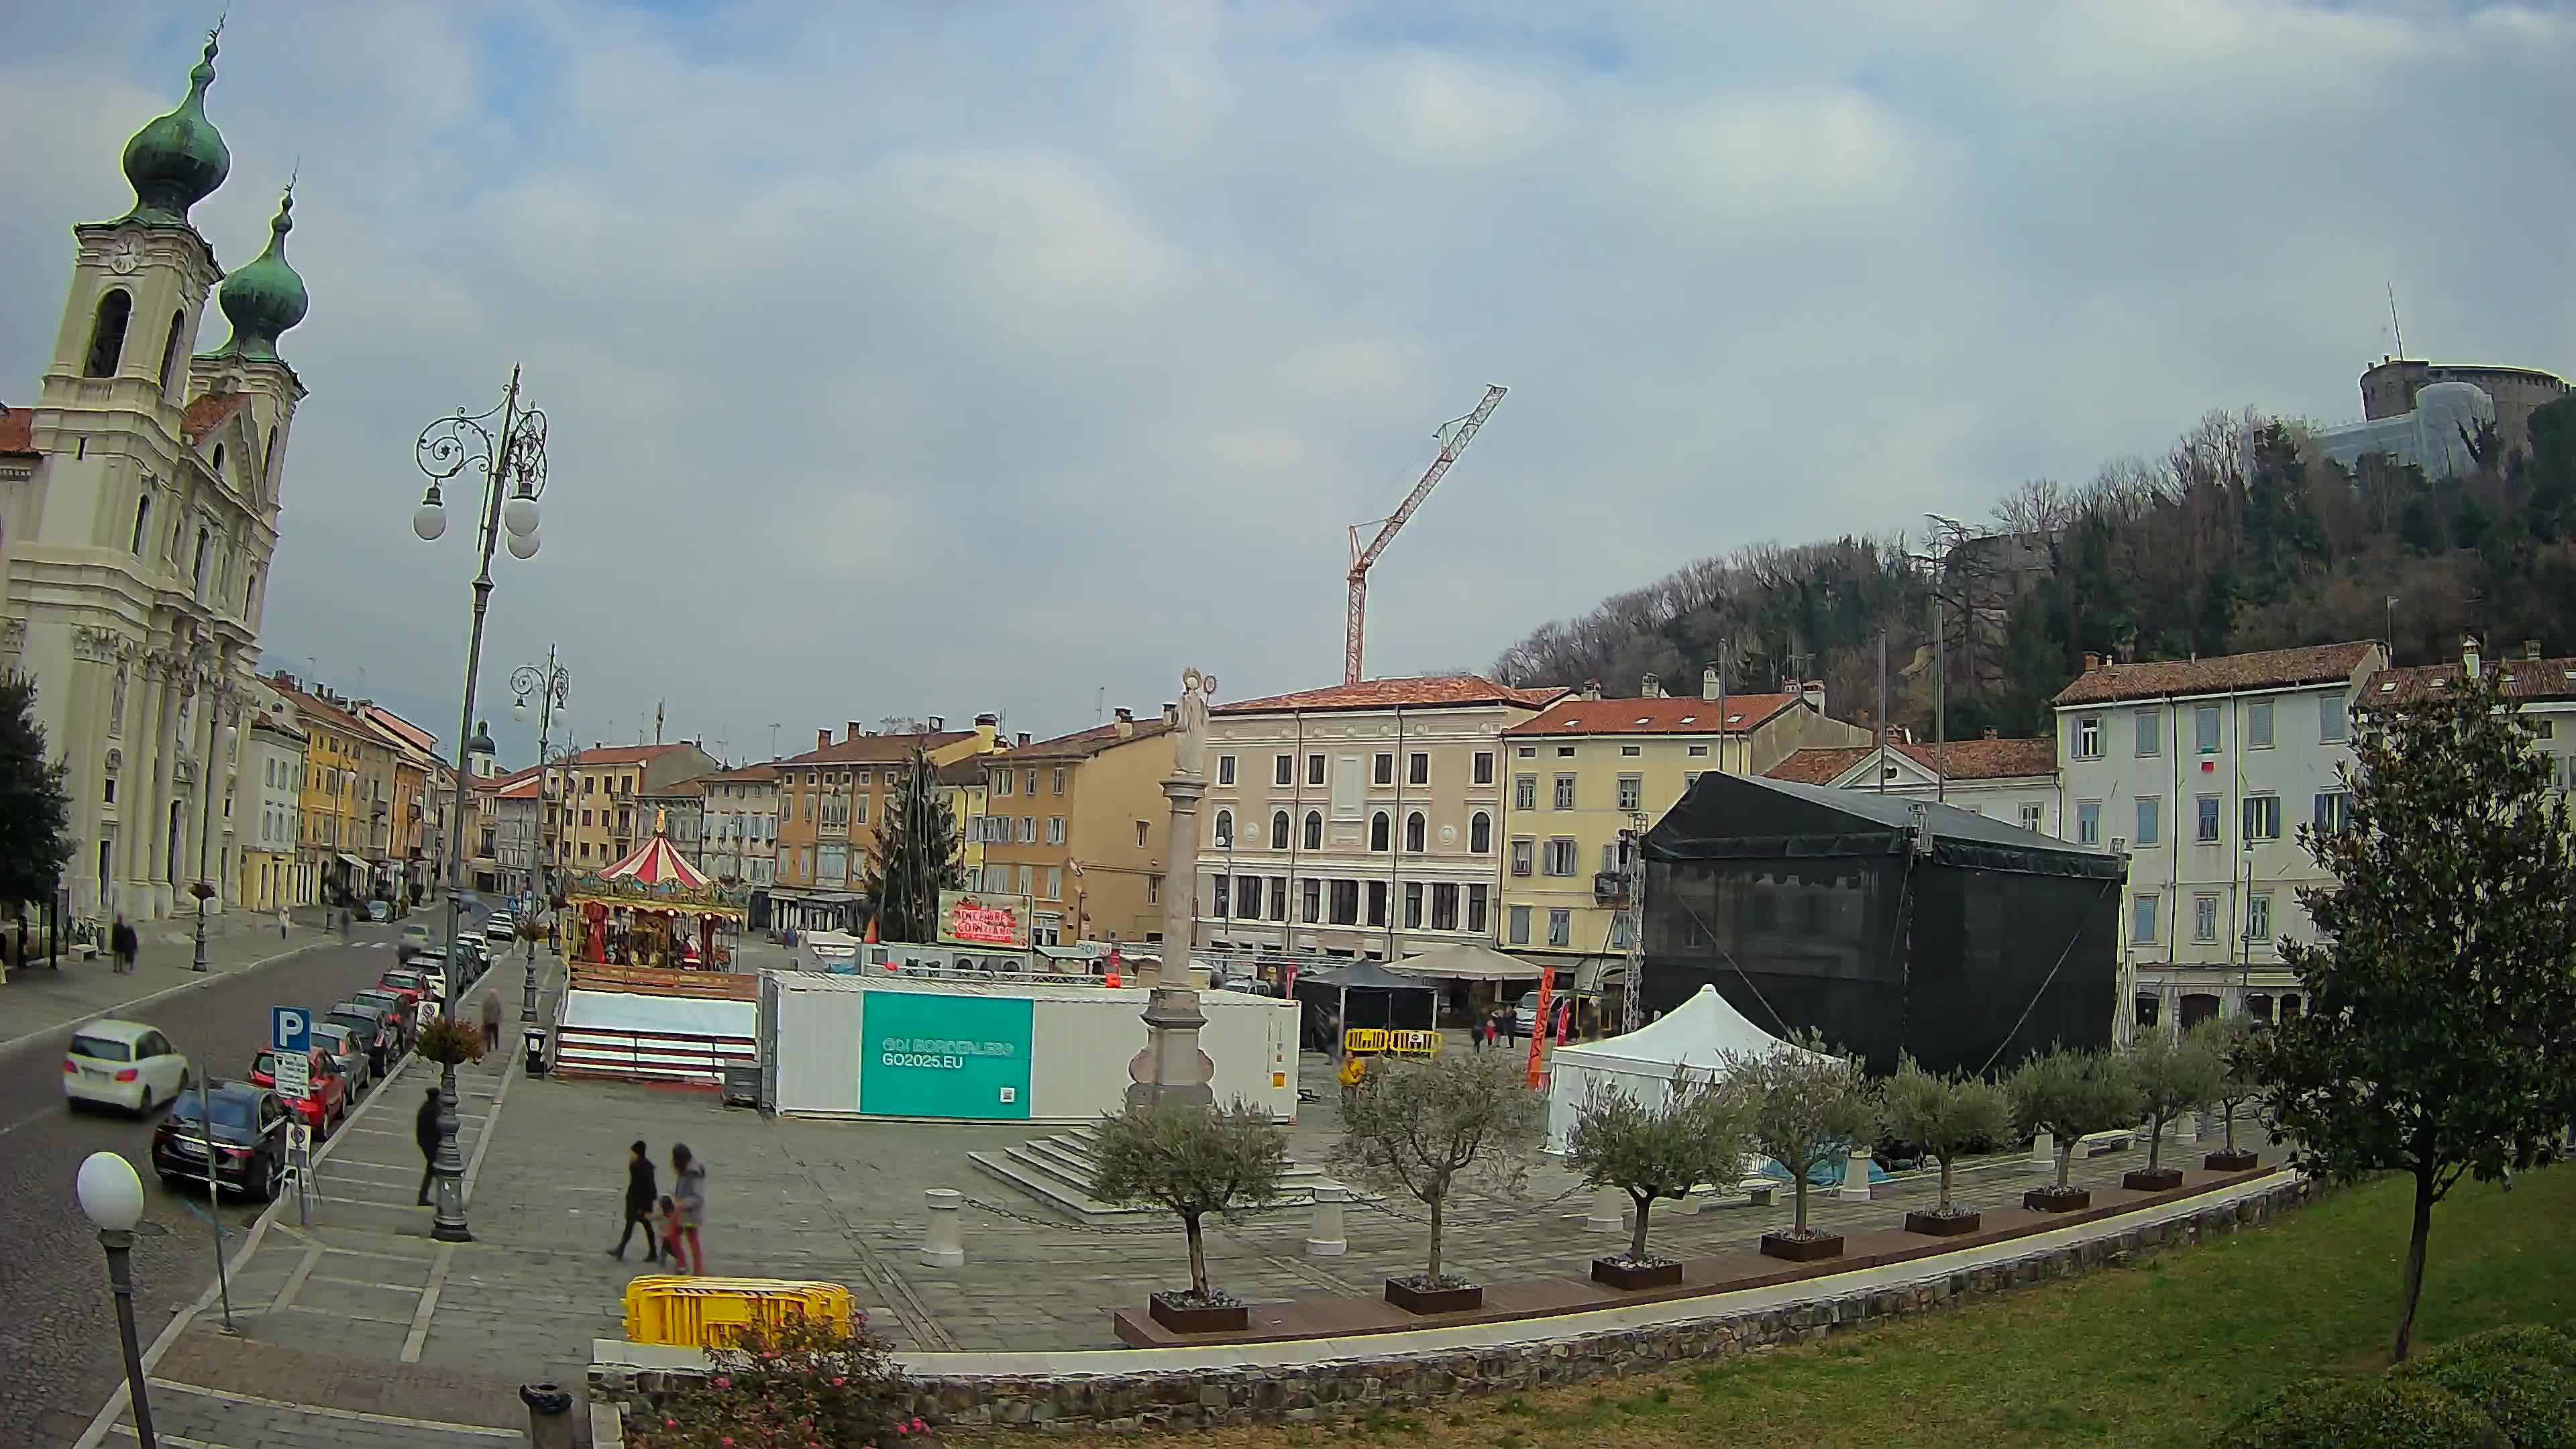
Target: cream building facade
<point>139,507</point>
<point>741,825</point>
<point>1356,821</point>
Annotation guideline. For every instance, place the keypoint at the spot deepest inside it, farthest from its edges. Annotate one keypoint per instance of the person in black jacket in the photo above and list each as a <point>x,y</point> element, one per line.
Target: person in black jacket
<point>424,1130</point>
<point>640,1195</point>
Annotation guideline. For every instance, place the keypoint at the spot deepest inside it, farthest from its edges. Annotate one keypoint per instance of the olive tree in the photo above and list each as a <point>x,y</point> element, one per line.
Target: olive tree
<point>1190,1161</point>
<point>1698,1133</point>
<point>1945,1116</point>
<point>2440,1036</point>
<point>2230,1043</point>
<point>1426,1128</point>
<point>1807,1105</point>
<point>2172,1077</point>
<point>2072,1094</point>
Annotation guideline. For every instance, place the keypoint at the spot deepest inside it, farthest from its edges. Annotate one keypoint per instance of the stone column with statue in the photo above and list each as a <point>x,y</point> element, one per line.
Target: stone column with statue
<point>1171,1068</point>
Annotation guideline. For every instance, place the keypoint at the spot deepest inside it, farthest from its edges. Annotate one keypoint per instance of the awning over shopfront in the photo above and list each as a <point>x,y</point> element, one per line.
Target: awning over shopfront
<point>1467,961</point>
<point>352,861</point>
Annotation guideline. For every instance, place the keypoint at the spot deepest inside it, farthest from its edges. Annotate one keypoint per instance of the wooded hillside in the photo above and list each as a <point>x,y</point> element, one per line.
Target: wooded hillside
<point>2236,539</point>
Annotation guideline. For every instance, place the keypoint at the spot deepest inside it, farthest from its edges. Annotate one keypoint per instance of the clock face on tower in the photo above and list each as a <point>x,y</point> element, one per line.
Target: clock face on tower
<point>127,256</point>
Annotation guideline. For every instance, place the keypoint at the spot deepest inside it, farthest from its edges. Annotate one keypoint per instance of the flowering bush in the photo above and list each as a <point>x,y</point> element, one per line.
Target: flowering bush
<point>807,1383</point>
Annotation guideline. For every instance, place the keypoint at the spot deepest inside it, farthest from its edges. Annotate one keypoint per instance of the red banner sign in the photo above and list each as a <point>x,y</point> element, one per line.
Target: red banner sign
<point>981,920</point>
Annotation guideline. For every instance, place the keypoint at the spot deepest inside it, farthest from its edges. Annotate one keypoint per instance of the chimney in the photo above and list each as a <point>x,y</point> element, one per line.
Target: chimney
<point>1171,714</point>
<point>2530,648</point>
<point>1813,691</point>
<point>2092,661</point>
<point>1126,724</point>
<point>1708,686</point>
<point>2469,655</point>
<point>988,730</point>
<point>939,724</point>
<point>822,739</point>
<point>1651,687</point>
<point>1990,732</point>
<point>1592,689</point>
<point>853,731</point>
<point>1024,739</point>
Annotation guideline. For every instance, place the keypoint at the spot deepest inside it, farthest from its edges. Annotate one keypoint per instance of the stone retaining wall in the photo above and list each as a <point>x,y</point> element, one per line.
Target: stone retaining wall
<point>1207,1398</point>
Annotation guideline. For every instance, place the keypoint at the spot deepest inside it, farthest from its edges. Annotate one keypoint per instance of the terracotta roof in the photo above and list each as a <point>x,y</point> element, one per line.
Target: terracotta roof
<point>622,754</point>
<point>695,785</point>
<point>17,430</point>
<point>523,788</point>
<point>321,709</point>
<point>878,749</point>
<point>968,771</point>
<point>2523,679</point>
<point>1660,716</point>
<point>1424,692</point>
<point>763,773</point>
<point>208,413</point>
<point>1083,744</point>
<point>1962,760</point>
<point>2269,669</point>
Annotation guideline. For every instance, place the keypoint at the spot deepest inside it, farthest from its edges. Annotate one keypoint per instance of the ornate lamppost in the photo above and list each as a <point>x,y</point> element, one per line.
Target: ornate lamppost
<point>552,686</point>
<point>507,445</point>
<point>221,738</point>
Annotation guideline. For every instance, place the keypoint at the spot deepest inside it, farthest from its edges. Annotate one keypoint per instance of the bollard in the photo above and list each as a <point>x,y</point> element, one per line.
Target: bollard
<point>2043,1153</point>
<point>1609,1211</point>
<point>944,1244</point>
<point>1855,1186</point>
<point>549,1416</point>
<point>1326,1237</point>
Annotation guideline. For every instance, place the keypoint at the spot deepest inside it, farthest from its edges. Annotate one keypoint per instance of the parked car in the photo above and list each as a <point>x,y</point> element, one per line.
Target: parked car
<point>247,1136</point>
<point>381,1037</point>
<point>325,1103</point>
<point>413,941</point>
<point>349,1054</point>
<point>1587,1008</point>
<point>412,986</point>
<point>501,926</point>
<point>122,1064</point>
<point>405,1023</point>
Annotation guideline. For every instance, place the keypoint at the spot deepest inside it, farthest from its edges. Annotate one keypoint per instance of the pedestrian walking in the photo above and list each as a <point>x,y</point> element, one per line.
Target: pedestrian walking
<point>1508,1023</point>
<point>641,1191</point>
<point>1354,1072</point>
<point>124,945</point>
<point>424,1130</point>
<point>689,1200</point>
<point>281,923</point>
<point>492,1020</point>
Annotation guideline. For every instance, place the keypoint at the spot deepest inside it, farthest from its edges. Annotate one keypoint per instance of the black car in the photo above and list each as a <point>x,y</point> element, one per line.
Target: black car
<point>249,1140</point>
<point>371,1026</point>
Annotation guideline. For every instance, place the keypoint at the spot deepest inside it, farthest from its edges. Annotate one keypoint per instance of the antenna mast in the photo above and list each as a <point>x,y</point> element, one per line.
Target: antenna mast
<point>2397,331</point>
<point>1454,437</point>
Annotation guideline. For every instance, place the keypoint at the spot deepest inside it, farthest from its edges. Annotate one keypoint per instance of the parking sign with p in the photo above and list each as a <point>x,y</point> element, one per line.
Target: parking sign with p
<point>290,1029</point>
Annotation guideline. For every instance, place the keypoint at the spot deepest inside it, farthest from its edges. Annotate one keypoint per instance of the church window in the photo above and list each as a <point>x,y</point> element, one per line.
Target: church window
<point>170,349</point>
<point>219,462</point>
<point>142,519</point>
<point>107,333</point>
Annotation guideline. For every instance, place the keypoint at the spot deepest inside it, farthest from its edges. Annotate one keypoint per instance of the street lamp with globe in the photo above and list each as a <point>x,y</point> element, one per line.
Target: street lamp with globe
<point>204,889</point>
<point>111,1197</point>
<point>507,445</point>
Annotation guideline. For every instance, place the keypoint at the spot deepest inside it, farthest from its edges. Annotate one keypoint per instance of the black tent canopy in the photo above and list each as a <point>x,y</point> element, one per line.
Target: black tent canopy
<point>1363,993</point>
<point>1887,924</point>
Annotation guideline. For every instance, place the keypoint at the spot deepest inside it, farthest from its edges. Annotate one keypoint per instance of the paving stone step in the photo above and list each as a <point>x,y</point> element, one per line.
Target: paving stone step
<point>1057,1171</point>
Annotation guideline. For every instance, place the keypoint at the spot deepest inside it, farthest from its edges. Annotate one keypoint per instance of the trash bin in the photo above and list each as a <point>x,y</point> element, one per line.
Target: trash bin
<point>536,1039</point>
<point>742,1084</point>
<point>549,1415</point>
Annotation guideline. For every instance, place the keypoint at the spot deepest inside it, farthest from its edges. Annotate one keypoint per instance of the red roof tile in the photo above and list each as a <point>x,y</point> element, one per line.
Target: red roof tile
<point>877,749</point>
<point>623,754</point>
<point>1424,692</point>
<point>2522,679</point>
<point>761,774</point>
<point>1083,744</point>
<point>2269,669</point>
<point>1664,715</point>
<point>1960,759</point>
<point>17,431</point>
<point>208,413</point>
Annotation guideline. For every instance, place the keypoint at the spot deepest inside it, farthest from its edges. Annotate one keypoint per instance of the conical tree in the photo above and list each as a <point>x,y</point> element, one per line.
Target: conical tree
<point>35,811</point>
<point>916,856</point>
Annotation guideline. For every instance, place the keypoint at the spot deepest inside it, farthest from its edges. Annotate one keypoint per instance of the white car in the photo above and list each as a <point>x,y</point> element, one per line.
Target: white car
<point>123,1064</point>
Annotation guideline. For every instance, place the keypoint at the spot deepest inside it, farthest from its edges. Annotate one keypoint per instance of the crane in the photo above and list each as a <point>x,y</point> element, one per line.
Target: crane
<point>1454,436</point>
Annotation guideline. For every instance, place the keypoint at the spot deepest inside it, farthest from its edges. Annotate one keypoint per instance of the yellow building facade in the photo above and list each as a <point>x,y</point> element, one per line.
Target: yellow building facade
<point>1079,826</point>
<point>1583,772</point>
<point>963,788</point>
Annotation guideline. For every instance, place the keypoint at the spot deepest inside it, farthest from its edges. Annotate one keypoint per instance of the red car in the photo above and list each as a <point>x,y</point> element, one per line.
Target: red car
<point>325,1106</point>
<point>411,986</point>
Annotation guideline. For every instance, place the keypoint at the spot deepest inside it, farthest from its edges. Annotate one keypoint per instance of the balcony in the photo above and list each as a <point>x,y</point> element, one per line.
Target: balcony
<point>1609,888</point>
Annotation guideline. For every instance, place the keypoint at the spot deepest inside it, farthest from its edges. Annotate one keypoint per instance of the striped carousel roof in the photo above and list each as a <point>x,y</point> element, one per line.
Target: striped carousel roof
<point>655,863</point>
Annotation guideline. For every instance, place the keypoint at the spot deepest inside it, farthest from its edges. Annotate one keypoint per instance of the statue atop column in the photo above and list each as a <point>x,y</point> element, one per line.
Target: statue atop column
<point>1189,742</point>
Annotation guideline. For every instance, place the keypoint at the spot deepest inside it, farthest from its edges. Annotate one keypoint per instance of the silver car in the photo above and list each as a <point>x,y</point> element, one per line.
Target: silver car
<point>347,1053</point>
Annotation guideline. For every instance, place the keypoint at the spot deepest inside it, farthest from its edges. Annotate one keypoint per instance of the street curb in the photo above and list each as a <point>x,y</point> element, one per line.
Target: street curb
<point>121,1007</point>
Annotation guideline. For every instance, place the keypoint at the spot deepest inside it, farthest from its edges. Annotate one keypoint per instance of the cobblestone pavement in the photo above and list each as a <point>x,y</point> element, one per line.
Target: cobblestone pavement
<point>360,1313</point>
<point>58,1336</point>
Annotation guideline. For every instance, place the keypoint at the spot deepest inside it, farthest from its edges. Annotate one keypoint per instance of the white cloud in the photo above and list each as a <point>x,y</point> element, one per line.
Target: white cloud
<point>904,361</point>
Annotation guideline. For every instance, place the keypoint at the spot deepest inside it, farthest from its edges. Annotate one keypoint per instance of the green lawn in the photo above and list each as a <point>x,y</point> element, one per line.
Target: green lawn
<point>2161,1354</point>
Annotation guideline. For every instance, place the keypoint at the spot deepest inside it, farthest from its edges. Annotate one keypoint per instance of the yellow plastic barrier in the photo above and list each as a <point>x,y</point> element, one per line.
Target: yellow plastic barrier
<point>1398,1041</point>
<point>712,1312</point>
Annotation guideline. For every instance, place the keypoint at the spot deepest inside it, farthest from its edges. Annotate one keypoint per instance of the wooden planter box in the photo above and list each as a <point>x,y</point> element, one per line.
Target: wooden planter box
<point>1632,1277</point>
<point>1434,1300</point>
<point>1935,1226</point>
<point>2152,1179</point>
<point>1181,1318</point>
<point>1801,1250</point>
<point>2231,1162</point>
<point>2050,1200</point>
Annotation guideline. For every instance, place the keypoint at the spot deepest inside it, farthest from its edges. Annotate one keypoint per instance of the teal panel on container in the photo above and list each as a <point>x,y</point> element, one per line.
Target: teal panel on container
<point>934,1055</point>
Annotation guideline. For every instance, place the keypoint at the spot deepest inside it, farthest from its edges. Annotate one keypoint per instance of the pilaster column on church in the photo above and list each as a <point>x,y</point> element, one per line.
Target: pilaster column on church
<point>141,813</point>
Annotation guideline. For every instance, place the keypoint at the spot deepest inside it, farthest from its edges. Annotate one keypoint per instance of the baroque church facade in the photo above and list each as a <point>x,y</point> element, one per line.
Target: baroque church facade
<point>138,517</point>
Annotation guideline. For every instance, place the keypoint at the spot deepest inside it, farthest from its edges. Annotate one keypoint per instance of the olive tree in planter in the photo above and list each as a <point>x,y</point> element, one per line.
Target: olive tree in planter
<point>2229,1042</point>
<point>1427,1128</point>
<point>2172,1077</point>
<point>2071,1094</point>
<point>1808,1107</point>
<point>1191,1161</point>
<point>1698,1133</point>
<point>1946,1117</point>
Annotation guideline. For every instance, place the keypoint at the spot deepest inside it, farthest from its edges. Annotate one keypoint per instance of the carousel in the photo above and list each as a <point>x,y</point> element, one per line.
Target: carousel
<point>653,909</point>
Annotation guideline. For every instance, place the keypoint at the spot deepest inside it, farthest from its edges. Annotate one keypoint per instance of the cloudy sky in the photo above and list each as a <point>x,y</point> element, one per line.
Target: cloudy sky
<point>926,359</point>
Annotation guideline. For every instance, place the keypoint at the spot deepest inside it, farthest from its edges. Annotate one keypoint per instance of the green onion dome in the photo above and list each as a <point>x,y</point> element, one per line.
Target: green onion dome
<point>179,159</point>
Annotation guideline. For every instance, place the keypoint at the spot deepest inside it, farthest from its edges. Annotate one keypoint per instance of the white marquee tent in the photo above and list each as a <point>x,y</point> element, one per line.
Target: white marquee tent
<point>1689,1038</point>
